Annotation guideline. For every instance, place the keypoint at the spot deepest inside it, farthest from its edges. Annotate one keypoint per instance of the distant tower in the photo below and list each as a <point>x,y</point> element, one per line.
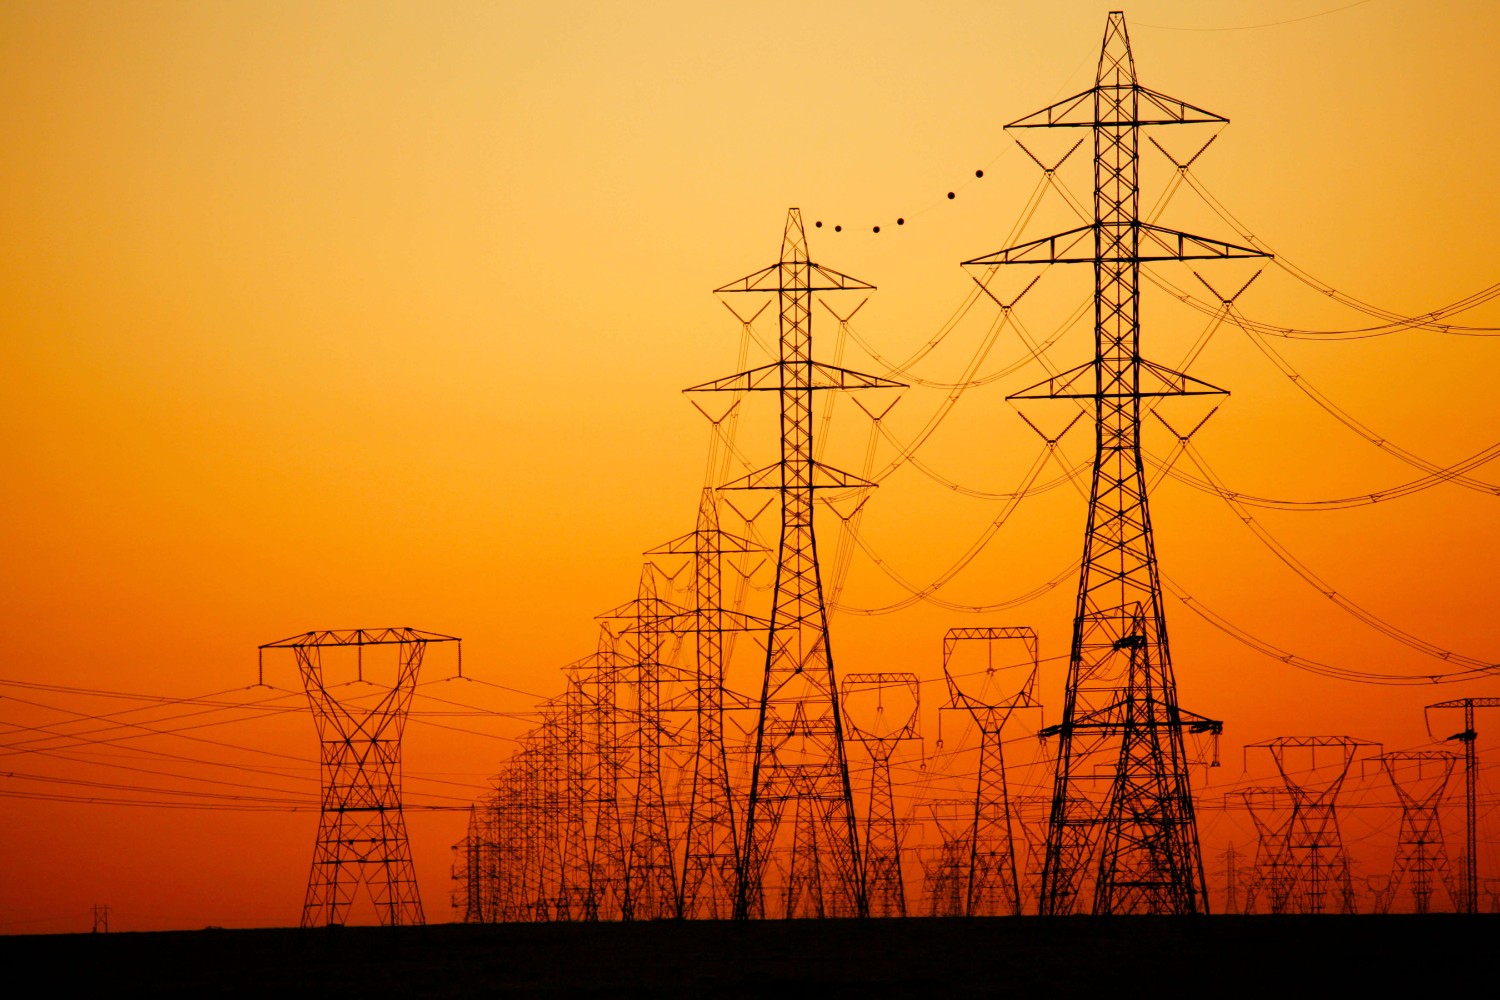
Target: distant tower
<point>1270,811</point>
<point>1122,836</point>
<point>1317,869</point>
<point>1420,778</point>
<point>881,734</point>
<point>362,830</point>
<point>711,839</point>
<point>799,738</point>
<point>994,884</point>
<point>1468,736</point>
<point>650,875</point>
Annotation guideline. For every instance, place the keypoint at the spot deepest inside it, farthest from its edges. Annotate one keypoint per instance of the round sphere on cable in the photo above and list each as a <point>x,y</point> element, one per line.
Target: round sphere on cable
<point>950,195</point>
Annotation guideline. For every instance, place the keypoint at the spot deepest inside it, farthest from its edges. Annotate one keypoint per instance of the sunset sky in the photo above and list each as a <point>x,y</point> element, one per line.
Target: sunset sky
<point>336,315</point>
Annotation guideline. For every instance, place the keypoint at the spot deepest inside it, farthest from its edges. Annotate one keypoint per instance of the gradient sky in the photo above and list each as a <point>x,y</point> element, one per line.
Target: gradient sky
<point>328,315</point>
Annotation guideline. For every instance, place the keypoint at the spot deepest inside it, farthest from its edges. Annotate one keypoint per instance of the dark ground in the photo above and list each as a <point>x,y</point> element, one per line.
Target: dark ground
<point>1438,955</point>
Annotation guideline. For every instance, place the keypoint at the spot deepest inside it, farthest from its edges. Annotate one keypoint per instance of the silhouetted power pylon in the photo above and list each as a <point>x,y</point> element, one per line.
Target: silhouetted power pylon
<point>1270,880</point>
<point>1467,736</point>
<point>799,740</point>
<point>1122,811</point>
<point>993,882</point>
<point>866,701</point>
<point>1317,867</point>
<point>650,873</point>
<point>711,838</point>
<point>1420,778</point>
<point>361,830</point>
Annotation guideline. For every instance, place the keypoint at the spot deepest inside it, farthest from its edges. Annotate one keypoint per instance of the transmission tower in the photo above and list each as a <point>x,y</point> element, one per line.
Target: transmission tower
<point>946,867</point>
<point>1317,865</point>
<point>361,830</point>
<point>711,838</point>
<point>1467,736</point>
<point>650,876</point>
<point>881,734</point>
<point>1271,813</point>
<point>799,740</point>
<point>1419,778</point>
<point>994,884</point>
<point>599,683</point>
<point>1121,801</point>
<point>1231,859</point>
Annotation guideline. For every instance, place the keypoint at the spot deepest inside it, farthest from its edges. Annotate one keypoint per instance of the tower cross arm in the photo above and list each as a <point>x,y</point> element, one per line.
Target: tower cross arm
<point>1150,243</point>
<point>784,276</point>
<point>1150,108</point>
<point>768,378</point>
<point>824,477</point>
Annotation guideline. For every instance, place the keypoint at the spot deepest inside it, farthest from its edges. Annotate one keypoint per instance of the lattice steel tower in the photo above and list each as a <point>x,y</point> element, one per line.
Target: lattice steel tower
<point>881,733</point>
<point>799,739</point>
<point>650,875</point>
<point>1122,812</point>
<point>1420,777</point>
<point>711,839</point>
<point>1468,736</point>
<point>361,829</point>
<point>994,883</point>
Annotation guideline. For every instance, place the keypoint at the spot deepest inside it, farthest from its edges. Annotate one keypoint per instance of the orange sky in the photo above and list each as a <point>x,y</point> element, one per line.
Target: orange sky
<point>333,315</point>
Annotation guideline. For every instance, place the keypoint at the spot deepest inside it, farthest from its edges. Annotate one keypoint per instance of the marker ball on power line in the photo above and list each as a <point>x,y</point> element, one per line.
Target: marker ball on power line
<point>950,195</point>
<point>838,229</point>
<point>979,173</point>
<point>877,229</point>
<point>818,225</point>
<point>900,222</point>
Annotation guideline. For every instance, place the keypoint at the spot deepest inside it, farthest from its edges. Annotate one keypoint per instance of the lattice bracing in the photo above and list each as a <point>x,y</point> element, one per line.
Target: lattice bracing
<point>882,710</point>
<point>362,840</point>
<point>1122,834</point>
<point>799,758</point>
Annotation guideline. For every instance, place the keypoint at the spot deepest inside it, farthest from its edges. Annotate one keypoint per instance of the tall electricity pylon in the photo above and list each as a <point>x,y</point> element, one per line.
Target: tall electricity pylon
<point>1317,867</point>
<point>881,734</point>
<point>799,737</point>
<point>1420,778</point>
<point>361,830</point>
<point>994,884</point>
<point>1121,802</point>
<point>1467,736</point>
<point>1270,811</point>
<point>711,839</point>
<point>650,875</point>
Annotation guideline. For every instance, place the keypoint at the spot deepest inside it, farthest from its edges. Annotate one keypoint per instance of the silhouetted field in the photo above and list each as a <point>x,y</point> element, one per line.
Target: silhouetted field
<point>1439,955</point>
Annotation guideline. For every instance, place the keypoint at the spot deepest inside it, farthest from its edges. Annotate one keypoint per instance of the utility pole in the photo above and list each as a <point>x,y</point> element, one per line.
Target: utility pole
<point>1467,737</point>
<point>1122,809</point>
<point>799,735</point>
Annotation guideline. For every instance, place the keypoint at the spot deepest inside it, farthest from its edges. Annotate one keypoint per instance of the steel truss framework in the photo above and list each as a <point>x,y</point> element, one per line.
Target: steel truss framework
<point>885,888</point>
<point>707,884</point>
<point>799,759</point>
<point>1122,836</point>
<point>1306,852</point>
<point>993,882</point>
<point>362,838</point>
<point>1468,736</point>
<point>1420,778</point>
